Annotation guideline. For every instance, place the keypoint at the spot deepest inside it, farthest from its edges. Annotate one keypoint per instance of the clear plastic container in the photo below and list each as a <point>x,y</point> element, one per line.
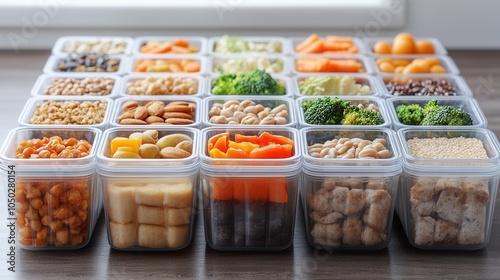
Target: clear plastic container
<point>448,204</point>
<point>150,204</point>
<point>32,103</point>
<point>361,79</point>
<point>461,87</point>
<point>215,63</point>
<point>58,200</point>
<point>467,104</point>
<point>371,41</point>
<point>348,203</point>
<point>137,77</point>
<point>59,44</point>
<point>358,42</point>
<point>249,204</point>
<point>198,42</point>
<point>354,100</point>
<point>143,100</point>
<point>45,80</point>
<point>285,47</point>
<point>51,65</point>
<point>366,64</point>
<point>445,61</point>
<point>131,62</point>
<point>282,79</point>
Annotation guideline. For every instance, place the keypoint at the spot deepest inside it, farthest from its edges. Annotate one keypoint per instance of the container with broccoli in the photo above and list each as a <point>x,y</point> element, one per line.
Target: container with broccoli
<point>432,114</point>
<point>257,82</point>
<point>335,111</point>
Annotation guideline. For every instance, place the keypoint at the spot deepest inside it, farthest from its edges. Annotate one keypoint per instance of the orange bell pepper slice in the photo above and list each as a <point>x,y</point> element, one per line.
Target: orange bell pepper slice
<point>236,153</point>
<point>265,138</point>
<point>246,189</point>
<point>247,147</point>
<point>216,153</point>
<point>239,138</point>
<point>213,139</point>
<point>272,151</point>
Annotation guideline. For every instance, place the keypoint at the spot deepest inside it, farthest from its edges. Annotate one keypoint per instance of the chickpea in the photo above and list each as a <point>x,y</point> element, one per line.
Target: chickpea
<point>230,102</point>
<point>226,113</point>
<point>220,120</point>
<point>250,110</point>
<point>246,103</point>
<point>280,120</point>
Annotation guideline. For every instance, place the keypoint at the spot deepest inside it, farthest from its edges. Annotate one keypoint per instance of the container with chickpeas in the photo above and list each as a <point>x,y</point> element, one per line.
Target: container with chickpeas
<point>350,181</point>
<point>57,199</point>
<point>248,110</point>
<point>448,187</point>
<point>77,85</point>
<point>162,84</point>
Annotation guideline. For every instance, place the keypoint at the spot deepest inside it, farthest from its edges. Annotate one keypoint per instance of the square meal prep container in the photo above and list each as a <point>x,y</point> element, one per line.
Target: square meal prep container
<point>30,108</point>
<point>124,92</point>
<point>59,44</point>
<point>266,101</point>
<point>45,80</point>
<point>362,79</point>
<point>358,42</point>
<point>58,200</point>
<point>237,215</point>
<point>285,47</point>
<point>132,60</point>
<point>461,87</point>
<point>355,100</point>
<point>196,41</point>
<point>216,61</point>
<point>150,204</point>
<point>467,104</point>
<point>51,65</point>
<point>448,204</point>
<point>284,80</point>
<point>445,61</point>
<point>348,203</point>
<point>143,100</point>
<point>371,41</point>
<point>367,65</point>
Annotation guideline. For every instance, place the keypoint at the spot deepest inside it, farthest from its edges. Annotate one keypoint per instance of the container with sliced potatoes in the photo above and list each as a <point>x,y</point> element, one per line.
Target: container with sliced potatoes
<point>149,183</point>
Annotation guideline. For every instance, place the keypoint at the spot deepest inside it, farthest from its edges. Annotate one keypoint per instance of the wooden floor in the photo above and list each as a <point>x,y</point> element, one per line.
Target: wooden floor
<point>400,260</point>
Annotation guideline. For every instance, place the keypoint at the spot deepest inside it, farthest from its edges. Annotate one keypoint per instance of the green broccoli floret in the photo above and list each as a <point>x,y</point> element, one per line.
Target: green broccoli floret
<point>324,111</point>
<point>411,114</point>
<point>362,117</point>
<point>447,115</point>
<point>258,82</point>
<point>430,106</point>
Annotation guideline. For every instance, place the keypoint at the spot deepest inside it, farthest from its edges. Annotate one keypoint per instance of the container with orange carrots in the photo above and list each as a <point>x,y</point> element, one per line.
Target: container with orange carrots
<point>170,45</point>
<point>172,64</point>
<point>249,186</point>
<point>326,45</point>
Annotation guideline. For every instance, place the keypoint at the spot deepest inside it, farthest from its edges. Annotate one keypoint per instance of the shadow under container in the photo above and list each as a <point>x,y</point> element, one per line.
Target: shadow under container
<point>150,204</point>
<point>249,204</point>
<point>349,203</point>
<point>57,200</point>
<point>448,204</point>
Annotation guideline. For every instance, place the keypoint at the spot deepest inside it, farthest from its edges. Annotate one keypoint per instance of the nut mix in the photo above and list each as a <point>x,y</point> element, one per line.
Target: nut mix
<point>163,86</point>
<point>428,87</point>
<point>86,86</point>
<point>157,112</point>
<point>247,112</point>
<point>69,112</point>
<point>87,63</point>
<point>350,148</point>
<point>95,46</point>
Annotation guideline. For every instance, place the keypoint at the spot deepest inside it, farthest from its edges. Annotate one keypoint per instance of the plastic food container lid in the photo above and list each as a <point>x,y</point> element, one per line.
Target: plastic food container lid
<point>55,166</point>
<point>212,60</point>
<point>371,41</point>
<point>250,167</point>
<point>445,61</point>
<point>285,44</point>
<point>132,77</point>
<point>59,44</point>
<point>364,60</point>
<point>284,79</point>
<point>196,41</point>
<point>358,42</point>
<point>44,80</point>
<point>321,166</point>
<point>370,80</point>
<point>50,66</point>
<point>132,60</point>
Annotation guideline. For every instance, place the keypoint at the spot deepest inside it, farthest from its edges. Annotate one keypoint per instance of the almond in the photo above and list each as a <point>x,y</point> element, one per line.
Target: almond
<point>141,113</point>
<point>178,108</point>
<point>182,103</point>
<point>154,119</point>
<point>178,115</point>
<point>127,114</point>
<point>172,152</point>
<point>156,109</point>
<point>129,105</point>
<point>132,121</point>
<point>178,121</point>
<point>186,145</point>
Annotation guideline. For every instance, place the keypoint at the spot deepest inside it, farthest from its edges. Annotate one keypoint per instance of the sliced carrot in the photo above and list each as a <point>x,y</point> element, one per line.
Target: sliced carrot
<point>147,48</point>
<point>142,65</point>
<point>192,66</point>
<point>163,48</point>
<point>348,65</point>
<point>314,47</point>
<point>349,40</point>
<point>336,46</point>
<point>277,190</point>
<point>265,138</point>
<point>239,138</point>
<point>246,189</point>
<point>236,153</point>
<point>309,40</point>
<point>353,49</point>
<point>175,68</point>
<point>269,152</point>
<point>177,49</point>
<point>222,188</point>
<point>181,43</point>
<point>213,139</point>
<point>308,66</point>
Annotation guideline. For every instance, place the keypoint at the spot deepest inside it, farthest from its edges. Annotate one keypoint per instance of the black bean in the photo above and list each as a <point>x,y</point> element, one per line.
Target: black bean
<point>427,87</point>
<point>87,63</point>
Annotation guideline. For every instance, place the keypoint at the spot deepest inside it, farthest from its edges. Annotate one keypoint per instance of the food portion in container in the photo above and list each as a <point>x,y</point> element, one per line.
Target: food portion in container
<point>90,86</point>
<point>257,82</point>
<point>432,114</point>
<point>157,112</point>
<point>163,86</point>
<point>328,45</point>
<point>167,65</point>
<point>350,148</point>
<point>404,43</point>
<point>88,62</point>
<point>69,112</point>
<point>101,46</point>
<point>247,65</point>
<point>53,147</point>
<point>232,44</point>
<point>333,85</point>
<point>247,112</point>
<point>325,64</point>
<point>328,111</point>
<point>178,46</point>
<point>420,87</point>
<point>410,65</point>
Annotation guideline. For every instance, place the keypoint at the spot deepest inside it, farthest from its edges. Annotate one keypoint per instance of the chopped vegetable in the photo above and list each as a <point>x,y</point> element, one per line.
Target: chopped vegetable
<point>167,65</point>
<point>257,82</point>
<point>232,44</point>
<point>178,46</point>
<point>331,44</point>
<point>432,114</point>
<point>333,85</point>
<point>320,64</point>
<point>247,65</point>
